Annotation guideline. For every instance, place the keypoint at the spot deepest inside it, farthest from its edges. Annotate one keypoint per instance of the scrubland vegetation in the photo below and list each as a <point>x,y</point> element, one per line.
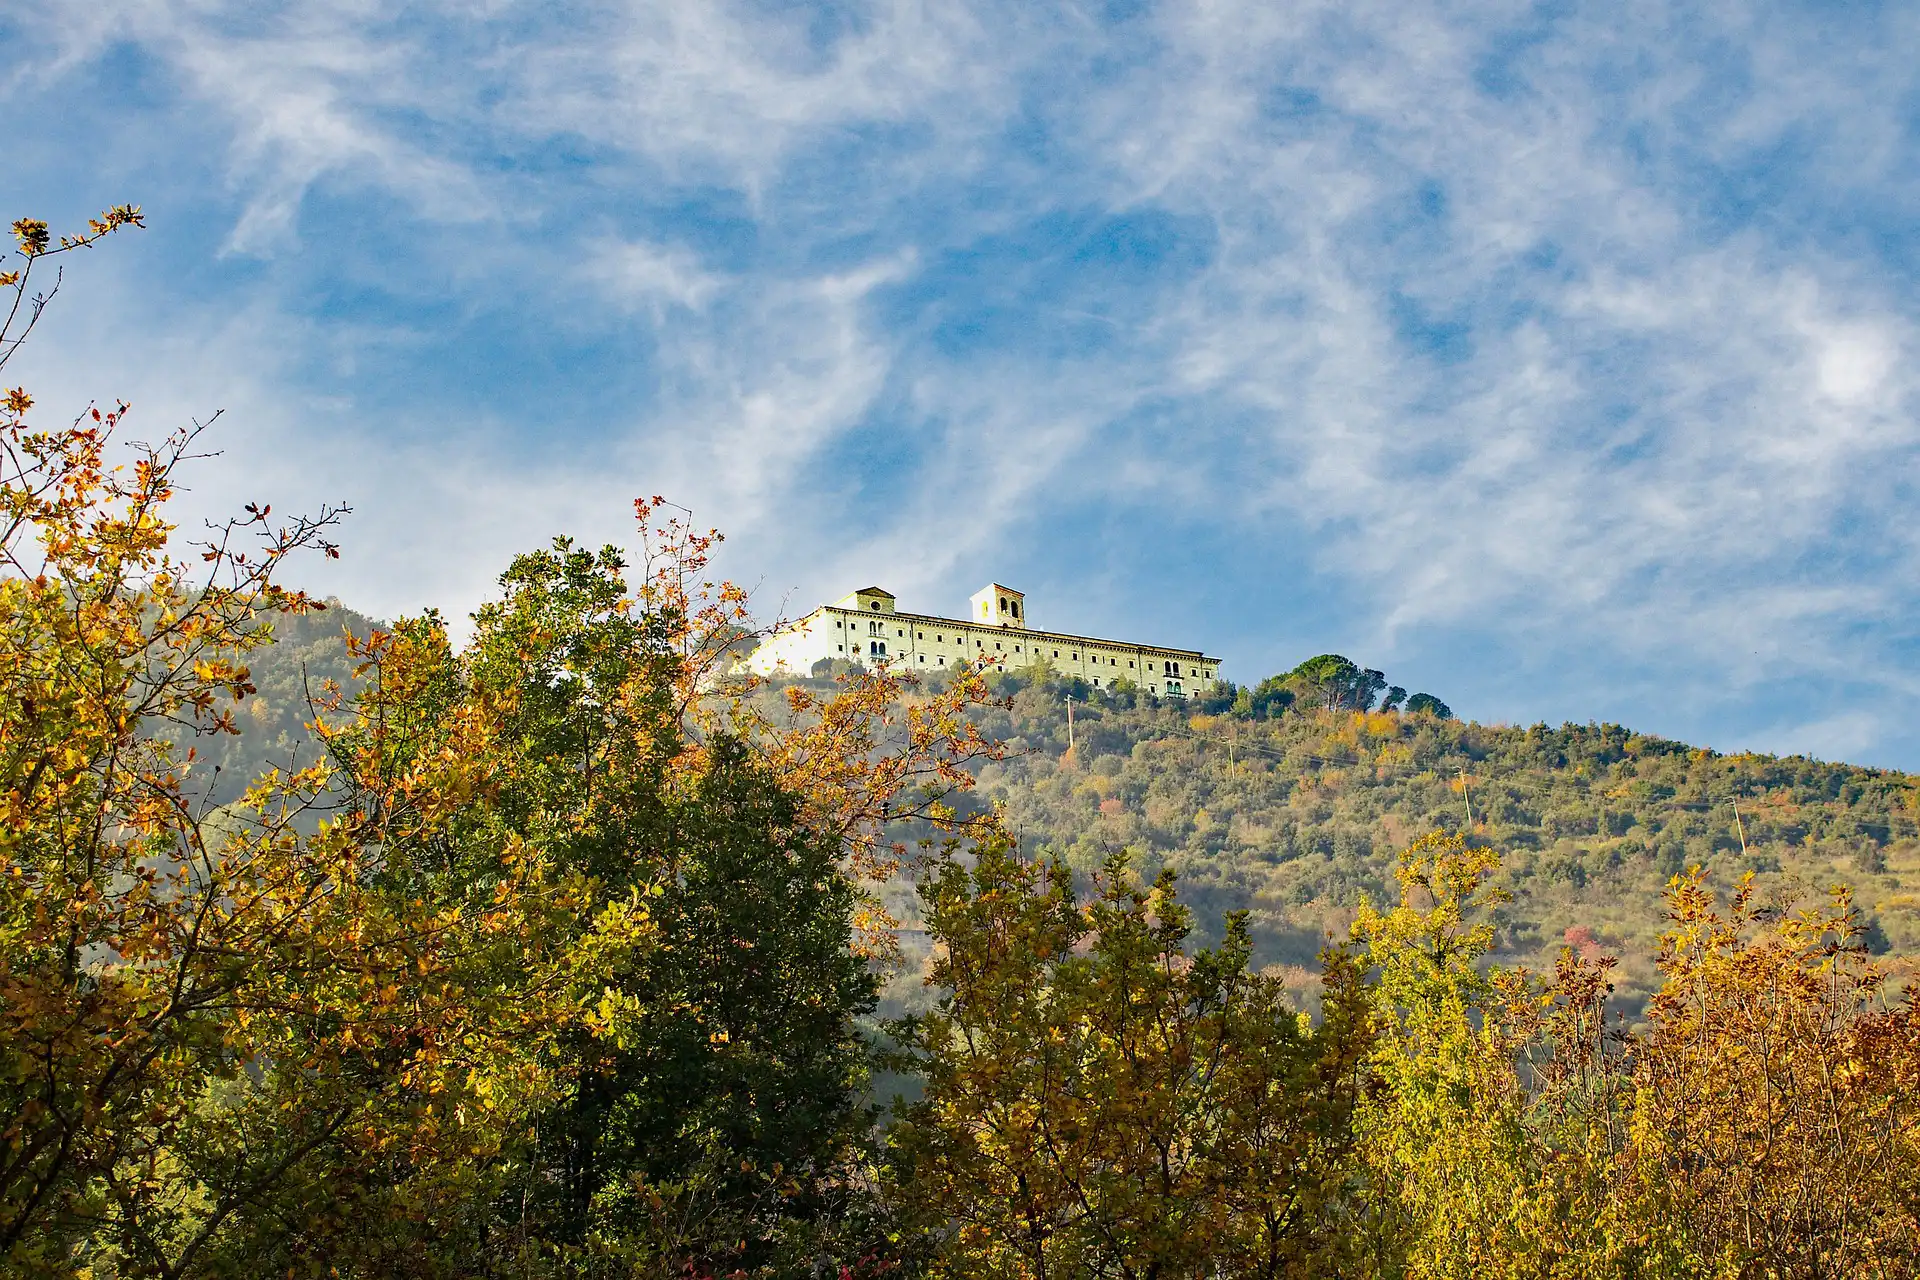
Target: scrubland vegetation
<point>1298,818</point>
<point>560,953</point>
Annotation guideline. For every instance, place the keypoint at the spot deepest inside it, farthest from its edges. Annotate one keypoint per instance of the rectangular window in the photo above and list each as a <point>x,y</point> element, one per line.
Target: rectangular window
<point>842,648</point>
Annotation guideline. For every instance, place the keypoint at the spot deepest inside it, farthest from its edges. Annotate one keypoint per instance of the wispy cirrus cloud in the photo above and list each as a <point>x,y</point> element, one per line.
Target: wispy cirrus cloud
<point>1559,356</point>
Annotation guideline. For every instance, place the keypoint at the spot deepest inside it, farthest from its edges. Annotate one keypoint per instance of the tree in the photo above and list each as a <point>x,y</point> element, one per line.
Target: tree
<point>1099,1103</point>
<point>1444,1145</point>
<point>1427,704</point>
<point>1329,680</point>
<point>1266,700</point>
<point>1777,1094</point>
<point>210,1016</point>
<point>419,1007</point>
<point>1488,1142</point>
<point>706,1077</point>
<point>1221,698</point>
<point>1332,682</point>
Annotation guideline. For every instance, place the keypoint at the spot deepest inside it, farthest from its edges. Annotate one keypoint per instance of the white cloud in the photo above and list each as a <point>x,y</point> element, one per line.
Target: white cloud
<point>1843,736</point>
<point>1854,361</point>
<point>637,273</point>
<point>1650,405</point>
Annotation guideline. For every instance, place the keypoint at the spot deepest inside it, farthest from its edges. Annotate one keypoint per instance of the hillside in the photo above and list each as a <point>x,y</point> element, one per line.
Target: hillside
<point>1296,813</point>
<point>307,653</point>
<point>1297,818</point>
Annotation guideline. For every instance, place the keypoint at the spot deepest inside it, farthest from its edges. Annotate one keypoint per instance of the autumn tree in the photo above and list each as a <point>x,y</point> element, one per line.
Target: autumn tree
<point>1778,1092</point>
<point>707,1107</point>
<point>1494,1143</point>
<point>213,1019</point>
<point>720,1064</point>
<point>311,1029</point>
<point>1099,1102</point>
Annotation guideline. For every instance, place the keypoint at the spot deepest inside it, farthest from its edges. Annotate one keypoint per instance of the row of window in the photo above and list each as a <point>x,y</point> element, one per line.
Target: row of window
<point>1168,667</point>
<point>878,649</point>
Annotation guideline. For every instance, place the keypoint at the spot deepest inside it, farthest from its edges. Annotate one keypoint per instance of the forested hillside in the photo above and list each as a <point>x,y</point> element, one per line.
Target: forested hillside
<point>1299,818</point>
<point>307,665</point>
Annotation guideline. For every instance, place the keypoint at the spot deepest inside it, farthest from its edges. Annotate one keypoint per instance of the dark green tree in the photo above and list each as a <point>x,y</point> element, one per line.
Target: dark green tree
<point>711,1114</point>
<point>1266,700</point>
<point>1332,681</point>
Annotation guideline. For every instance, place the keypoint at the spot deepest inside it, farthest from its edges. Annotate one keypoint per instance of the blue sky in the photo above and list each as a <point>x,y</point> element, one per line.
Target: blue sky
<point>1556,358</point>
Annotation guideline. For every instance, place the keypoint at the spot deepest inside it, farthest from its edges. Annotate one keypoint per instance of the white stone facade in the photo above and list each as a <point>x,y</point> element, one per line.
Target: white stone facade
<point>866,628</point>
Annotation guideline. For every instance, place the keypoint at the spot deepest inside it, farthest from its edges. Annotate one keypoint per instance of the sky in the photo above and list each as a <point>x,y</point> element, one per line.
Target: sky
<point>1555,358</point>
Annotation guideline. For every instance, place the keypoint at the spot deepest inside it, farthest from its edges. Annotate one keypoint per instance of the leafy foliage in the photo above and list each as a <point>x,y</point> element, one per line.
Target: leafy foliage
<point>1098,1102</point>
<point>713,1061</point>
<point>209,1014</point>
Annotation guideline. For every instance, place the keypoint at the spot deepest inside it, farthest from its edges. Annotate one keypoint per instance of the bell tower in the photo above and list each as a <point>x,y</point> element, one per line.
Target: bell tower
<point>997,606</point>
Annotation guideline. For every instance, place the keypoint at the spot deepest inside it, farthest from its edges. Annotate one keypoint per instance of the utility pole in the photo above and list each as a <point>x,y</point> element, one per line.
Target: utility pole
<point>1466,795</point>
<point>1740,827</point>
<point>1069,724</point>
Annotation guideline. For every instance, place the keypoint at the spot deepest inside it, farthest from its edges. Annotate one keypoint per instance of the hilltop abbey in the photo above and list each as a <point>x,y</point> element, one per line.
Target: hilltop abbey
<point>865,627</point>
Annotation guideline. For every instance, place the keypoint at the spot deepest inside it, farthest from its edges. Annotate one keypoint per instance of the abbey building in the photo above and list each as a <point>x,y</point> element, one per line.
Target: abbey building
<point>866,628</point>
